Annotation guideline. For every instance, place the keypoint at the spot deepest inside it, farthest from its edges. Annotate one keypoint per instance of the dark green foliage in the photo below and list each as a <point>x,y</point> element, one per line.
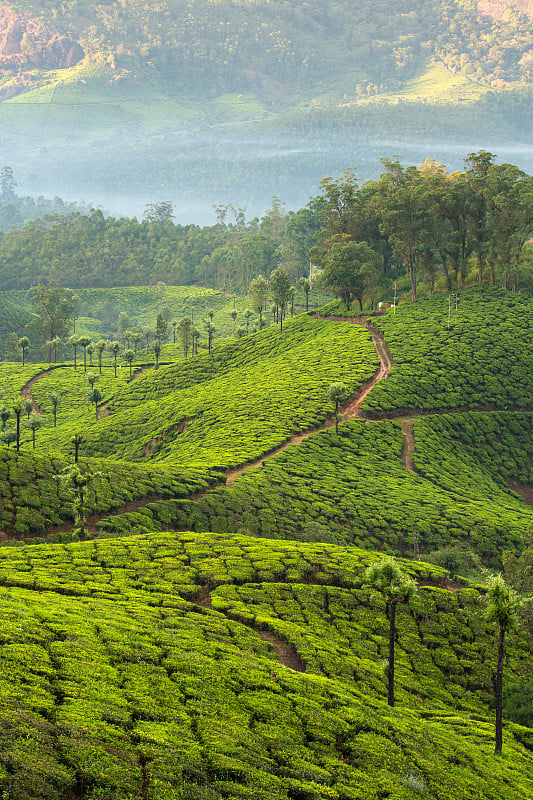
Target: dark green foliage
<point>31,500</point>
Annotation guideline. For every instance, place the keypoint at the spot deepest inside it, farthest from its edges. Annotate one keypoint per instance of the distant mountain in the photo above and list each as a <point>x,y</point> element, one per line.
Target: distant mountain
<point>182,99</point>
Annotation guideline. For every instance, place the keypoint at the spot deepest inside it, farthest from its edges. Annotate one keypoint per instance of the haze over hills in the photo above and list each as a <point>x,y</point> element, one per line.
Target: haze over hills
<point>201,102</point>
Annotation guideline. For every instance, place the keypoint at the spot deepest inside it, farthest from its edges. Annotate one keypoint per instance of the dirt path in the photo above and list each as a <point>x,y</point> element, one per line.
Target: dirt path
<point>351,409</point>
<point>285,654</point>
<point>26,389</point>
<point>409,445</point>
<point>92,519</point>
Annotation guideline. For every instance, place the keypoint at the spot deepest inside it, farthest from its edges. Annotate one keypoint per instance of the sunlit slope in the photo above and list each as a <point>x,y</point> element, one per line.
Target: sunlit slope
<point>116,682</point>
<point>244,400</point>
<point>484,357</point>
<point>354,488</point>
<point>32,502</point>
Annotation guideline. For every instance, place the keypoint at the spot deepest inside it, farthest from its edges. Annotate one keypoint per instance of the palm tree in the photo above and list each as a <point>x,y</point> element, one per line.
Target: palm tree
<point>210,330</point>
<point>78,484</point>
<point>24,343</point>
<point>184,333</point>
<point>56,342</point>
<point>55,400</point>
<point>34,421</point>
<point>502,608</point>
<point>92,378</point>
<point>114,347</point>
<point>17,409</point>
<point>395,585</point>
<point>337,392</point>
<point>77,440</point>
<point>96,396</point>
<point>129,356</point>
<point>83,341</point>
<point>5,414</point>
<point>100,346</point>
<point>157,352</point>
<point>27,406</point>
<point>195,333</point>
<point>75,342</point>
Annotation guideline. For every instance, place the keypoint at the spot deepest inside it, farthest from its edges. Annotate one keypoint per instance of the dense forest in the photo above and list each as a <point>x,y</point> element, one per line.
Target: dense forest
<point>224,47</point>
<point>416,223</point>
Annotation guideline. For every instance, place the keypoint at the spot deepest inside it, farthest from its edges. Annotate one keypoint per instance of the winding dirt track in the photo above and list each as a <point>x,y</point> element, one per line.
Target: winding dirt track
<point>285,654</point>
<point>351,409</point>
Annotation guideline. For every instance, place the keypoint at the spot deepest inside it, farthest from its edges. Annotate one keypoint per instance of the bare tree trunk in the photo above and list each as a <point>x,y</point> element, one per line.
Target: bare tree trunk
<point>392,630</point>
<point>498,692</point>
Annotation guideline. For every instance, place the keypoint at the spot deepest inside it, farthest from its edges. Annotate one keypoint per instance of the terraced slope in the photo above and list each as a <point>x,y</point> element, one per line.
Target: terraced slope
<point>483,358</point>
<point>118,683</point>
<point>355,489</point>
<point>236,405</point>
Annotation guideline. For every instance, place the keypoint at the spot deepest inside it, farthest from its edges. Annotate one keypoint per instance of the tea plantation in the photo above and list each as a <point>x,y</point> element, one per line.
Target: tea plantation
<point>353,488</point>
<point>116,682</point>
<point>482,359</point>
<point>212,636</point>
<point>226,409</point>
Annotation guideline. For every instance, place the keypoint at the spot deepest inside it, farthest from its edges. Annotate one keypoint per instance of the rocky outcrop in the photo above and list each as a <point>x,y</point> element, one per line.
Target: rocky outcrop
<point>27,42</point>
<point>498,8</point>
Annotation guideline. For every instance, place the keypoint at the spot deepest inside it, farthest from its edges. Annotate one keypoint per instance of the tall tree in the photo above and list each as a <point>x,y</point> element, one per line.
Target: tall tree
<point>78,484</point>
<point>84,342</point>
<point>258,293</point>
<point>479,165</point>
<point>75,342</point>
<point>100,346</point>
<point>210,331</point>
<point>349,269</point>
<point>114,347</point>
<point>338,392</point>
<point>503,604</point>
<point>24,343</point>
<point>395,585</point>
<point>184,334</point>
<point>161,212</point>
<point>129,357</point>
<point>33,423</point>
<point>54,307</point>
<point>55,400</point>
<point>280,291</point>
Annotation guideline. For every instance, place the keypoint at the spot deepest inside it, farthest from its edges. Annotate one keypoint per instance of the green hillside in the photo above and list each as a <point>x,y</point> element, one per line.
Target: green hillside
<point>281,93</point>
<point>213,637</point>
<point>122,678</point>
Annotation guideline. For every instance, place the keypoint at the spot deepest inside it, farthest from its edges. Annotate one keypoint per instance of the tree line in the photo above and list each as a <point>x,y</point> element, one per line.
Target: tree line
<point>427,222</point>
<point>434,225</point>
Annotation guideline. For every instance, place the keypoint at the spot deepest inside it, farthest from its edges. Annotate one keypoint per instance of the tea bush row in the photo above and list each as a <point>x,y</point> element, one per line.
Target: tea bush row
<point>31,500</point>
<point>484,358</point>
<point>353,488</point>
<point>230,409</point>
